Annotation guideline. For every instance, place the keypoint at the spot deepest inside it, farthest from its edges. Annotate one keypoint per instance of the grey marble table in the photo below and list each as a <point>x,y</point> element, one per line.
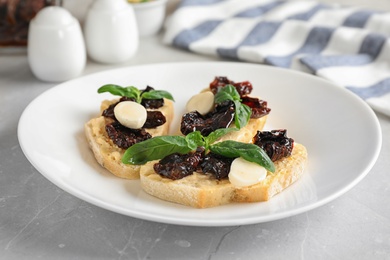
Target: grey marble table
<point>40,221</point>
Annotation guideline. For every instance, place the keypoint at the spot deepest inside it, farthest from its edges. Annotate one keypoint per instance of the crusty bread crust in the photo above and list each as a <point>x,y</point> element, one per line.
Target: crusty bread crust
<point>110,155</point>
<point>203,191</point>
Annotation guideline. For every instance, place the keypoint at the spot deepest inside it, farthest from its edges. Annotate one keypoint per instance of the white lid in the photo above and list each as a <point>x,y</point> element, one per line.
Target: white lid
<point>53,16</point>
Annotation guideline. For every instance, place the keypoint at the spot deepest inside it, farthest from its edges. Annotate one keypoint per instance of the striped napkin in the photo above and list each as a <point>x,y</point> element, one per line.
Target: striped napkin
<point>349,46</point>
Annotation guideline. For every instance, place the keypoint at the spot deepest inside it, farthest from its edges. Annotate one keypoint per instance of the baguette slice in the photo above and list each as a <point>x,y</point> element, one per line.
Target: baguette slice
<point>203,191</point>
<point>107,153</point>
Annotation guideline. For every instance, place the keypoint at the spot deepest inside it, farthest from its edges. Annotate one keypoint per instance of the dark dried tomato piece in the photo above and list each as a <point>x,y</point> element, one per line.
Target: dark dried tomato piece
<point>275,143</point>
<point>147,89</point>
<point>125,137</point>
<point>151,103</point>
<point>218,83</point>
<point>177,166</point>
<point>258,106</point>
<point>154,119</point>
<point>191,122</point>
<point>216,165</point>
<point>109,112</point>
<point>220,117</point>
<point>243,88</point>
<point>126,99</point>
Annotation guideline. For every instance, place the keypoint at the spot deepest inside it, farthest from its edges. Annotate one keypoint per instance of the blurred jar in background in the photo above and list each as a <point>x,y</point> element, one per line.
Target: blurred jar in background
<point>15,17</point>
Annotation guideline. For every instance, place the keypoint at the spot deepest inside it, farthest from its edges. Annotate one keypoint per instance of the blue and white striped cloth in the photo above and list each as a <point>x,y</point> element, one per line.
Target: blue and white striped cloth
<point>349,46</point>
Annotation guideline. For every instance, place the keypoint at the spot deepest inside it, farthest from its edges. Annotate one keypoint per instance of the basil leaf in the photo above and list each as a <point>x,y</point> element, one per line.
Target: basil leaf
<point>194,140</point>
<point>242,115</point>
<point>228,92</point>
<point>242,111</point>
<point>157,94</point>
<point>249,152</point>
<point>131,92</point>
<point>155,148</point>
<point>113,89</point>
<point>215,135</point>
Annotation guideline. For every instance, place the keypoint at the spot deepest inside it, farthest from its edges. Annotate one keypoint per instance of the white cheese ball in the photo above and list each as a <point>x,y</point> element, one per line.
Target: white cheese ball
<point>244,173</point>
<point>130,114</point>
<point>202,102</point>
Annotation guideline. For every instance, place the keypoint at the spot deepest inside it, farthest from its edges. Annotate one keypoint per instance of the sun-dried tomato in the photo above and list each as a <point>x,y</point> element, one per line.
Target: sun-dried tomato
<point>125,137</point>
<point>216,165</point>
<point>220,117</point>
<point>275,143</point>
<point>177,166</point>
<point>258,106</point>
<point>109,112</point>
<point>154,119</point>
<point>151,103</point>
<point>218,83</point>
<point>243,88</point>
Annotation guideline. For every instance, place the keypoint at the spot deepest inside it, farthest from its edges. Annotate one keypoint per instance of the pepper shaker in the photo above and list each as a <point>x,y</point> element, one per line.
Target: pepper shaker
<point>110,31</point>
<point>56,49</point>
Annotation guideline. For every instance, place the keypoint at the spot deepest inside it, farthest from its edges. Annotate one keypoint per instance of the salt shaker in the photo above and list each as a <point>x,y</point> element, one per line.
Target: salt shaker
<point>56,49</point>
<point>110,30</point>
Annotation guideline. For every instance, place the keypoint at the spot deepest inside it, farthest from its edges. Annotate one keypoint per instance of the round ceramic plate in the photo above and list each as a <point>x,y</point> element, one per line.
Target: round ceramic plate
<point>329,120</point>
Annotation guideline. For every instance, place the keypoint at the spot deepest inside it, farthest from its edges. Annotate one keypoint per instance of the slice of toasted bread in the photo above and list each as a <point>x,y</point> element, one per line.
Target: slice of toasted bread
<point>203,191</point>
<point>107,153</point>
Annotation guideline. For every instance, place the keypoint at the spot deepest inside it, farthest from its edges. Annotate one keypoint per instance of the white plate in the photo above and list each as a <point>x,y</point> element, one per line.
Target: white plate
<point>340,131</point>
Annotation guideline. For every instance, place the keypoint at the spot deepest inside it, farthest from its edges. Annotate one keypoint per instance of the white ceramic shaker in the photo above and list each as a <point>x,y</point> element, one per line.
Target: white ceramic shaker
<point>56,49</point>
<point>110,31</point>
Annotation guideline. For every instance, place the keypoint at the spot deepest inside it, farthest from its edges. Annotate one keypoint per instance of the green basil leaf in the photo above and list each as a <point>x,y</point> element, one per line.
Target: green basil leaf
<point>228,92</point>
<point>249,152</point>
<point>155,148</point>
<point>242,111</point>
<point>157,94</point>
<point>215,135</point>
<point>242,115</point>
<point>131,92</point>
<point>194,140</point>
<point>113,89</point>
<point>222,96</point>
